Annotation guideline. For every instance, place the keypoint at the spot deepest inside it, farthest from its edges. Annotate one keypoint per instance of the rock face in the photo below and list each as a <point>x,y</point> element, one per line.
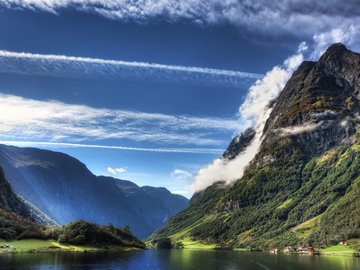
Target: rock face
<point>64,189</point>
<point>303,185</point>
<point>11,202</point>
<point>319,107</point>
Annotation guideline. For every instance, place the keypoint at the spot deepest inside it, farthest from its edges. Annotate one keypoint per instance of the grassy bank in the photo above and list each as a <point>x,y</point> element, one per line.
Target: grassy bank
<point>38,245</point>
<point>338,250</point>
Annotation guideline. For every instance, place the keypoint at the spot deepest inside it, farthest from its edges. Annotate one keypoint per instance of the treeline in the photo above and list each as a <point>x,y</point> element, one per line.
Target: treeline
<point>85,233</point>
<point>14,227</point>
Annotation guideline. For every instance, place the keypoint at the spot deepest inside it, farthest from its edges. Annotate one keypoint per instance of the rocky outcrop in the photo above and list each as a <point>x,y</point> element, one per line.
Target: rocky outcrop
<point>319,106</point>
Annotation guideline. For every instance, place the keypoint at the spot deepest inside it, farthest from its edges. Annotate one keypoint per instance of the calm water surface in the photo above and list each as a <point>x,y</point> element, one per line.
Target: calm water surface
<point>176,259</point>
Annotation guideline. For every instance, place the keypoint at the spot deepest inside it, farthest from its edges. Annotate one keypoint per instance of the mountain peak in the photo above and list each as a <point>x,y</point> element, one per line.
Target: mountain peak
<point>321,100</point>
<point>335,48</point>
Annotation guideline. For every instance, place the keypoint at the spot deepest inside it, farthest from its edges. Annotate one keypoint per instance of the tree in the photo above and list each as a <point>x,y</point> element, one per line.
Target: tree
<point>164,243</point>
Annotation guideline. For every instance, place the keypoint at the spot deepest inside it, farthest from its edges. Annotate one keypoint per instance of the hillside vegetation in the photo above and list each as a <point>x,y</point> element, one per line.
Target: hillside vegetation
<point>311,203</point>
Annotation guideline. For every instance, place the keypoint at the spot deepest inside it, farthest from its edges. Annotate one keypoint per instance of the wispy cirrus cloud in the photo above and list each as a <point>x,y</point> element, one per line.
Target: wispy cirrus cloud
<point>295,17</point>
<point>34,120</point>
<point>202,150</point>
<point>83,67</point>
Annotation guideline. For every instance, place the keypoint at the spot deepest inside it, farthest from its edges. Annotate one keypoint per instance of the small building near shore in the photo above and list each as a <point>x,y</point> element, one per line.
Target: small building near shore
<point>306,250</point>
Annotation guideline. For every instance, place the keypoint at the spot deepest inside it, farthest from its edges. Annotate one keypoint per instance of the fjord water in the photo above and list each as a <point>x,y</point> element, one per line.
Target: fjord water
<point>174,259</point>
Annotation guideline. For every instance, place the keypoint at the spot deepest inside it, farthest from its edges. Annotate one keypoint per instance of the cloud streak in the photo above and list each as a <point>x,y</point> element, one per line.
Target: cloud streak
<point>29,120</point>
<point>295,17</point>
<point>83,67</point>
<point>295,130</point>
<point>113,147</point>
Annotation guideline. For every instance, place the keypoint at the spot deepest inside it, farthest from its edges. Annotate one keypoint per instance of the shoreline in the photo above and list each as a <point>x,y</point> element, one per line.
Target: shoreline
<point>52,246</point>
<point>121,249</point>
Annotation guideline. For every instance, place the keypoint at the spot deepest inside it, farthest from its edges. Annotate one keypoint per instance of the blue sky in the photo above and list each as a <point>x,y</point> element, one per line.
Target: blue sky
<point>165,102</point>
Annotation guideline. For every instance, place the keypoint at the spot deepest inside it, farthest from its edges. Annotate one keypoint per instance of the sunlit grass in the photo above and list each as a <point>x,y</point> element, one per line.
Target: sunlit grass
<point>189,244</point>
<point>38,245</point>
<point>338,250</point>
<point>304,229</point>
<point>284,204</point>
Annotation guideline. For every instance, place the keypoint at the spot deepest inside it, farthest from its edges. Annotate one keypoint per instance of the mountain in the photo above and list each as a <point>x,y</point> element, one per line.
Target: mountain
<point>303,186</point>
<point>17,216</point>
<point>65,190</point>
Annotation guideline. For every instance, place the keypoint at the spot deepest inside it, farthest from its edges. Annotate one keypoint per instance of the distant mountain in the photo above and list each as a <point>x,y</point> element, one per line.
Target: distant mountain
<point>64,189</point>
<point>303,186</point>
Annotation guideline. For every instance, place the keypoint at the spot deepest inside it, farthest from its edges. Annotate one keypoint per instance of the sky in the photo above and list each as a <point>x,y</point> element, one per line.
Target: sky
<point>154,91</point>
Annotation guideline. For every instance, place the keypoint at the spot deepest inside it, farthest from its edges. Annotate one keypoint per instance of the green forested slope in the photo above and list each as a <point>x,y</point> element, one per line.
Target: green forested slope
<point>316,202</point>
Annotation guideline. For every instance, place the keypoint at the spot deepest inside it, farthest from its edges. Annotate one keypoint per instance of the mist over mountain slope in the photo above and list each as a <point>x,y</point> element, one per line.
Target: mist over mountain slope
<point>18,218</point>
<point>63,188</point>
<point>303,186</point>
<point>13,203</point>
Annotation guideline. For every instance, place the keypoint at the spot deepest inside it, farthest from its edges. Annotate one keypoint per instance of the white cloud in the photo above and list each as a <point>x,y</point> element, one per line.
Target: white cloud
<point>29,120</point>
<point>348,34</point>
<point>296,17</point>
<point>70,66</point>
<point>181,174</point>
<point>111,170</point>
<point>115,171</point>
<point>121,170</point>
<point>254,112</point>
<point>294,130</point>
<point>212,151</point>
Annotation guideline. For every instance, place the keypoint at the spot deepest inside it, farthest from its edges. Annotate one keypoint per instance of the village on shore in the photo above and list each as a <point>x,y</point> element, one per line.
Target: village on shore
<point>310,251</point>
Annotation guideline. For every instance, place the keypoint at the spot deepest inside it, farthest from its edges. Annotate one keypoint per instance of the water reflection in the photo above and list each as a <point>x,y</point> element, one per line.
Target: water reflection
<point>174,259</point>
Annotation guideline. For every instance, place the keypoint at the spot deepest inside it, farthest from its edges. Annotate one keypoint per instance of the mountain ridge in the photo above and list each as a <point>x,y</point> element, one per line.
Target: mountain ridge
<point>63,188</point>
<point>306,170</point>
